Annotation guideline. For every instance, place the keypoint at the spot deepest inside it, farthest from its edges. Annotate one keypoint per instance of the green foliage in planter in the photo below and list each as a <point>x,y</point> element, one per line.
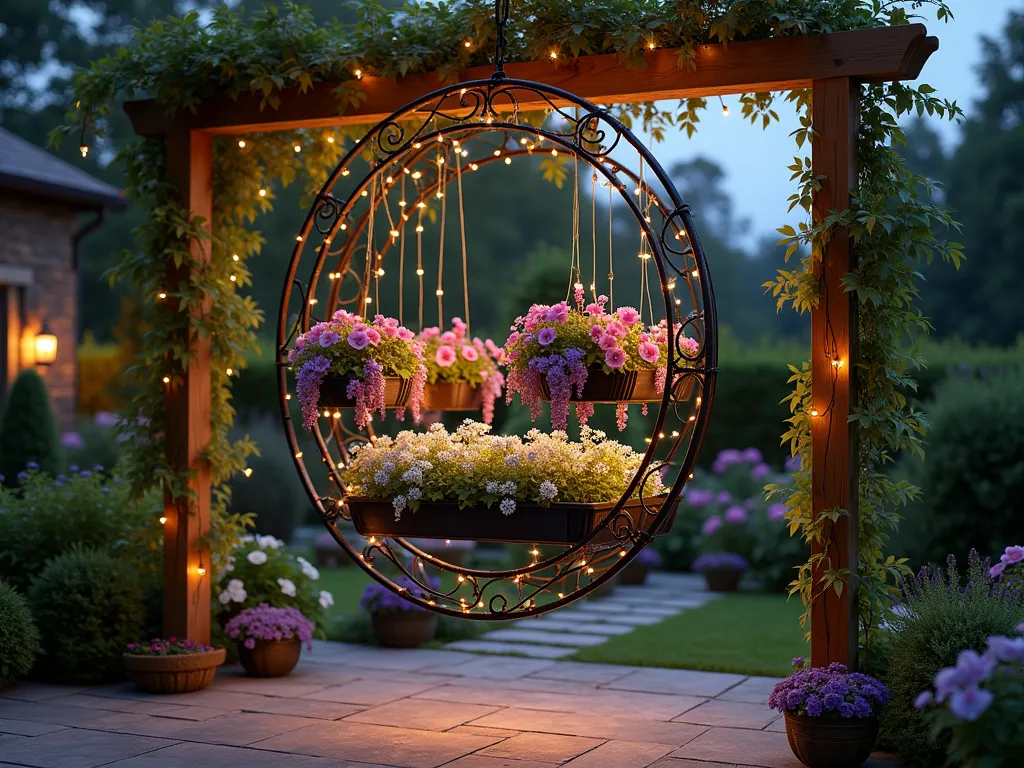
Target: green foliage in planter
<point>48,516</point>
<point>28,432</point>
<point>88,606</point>
<point>19,638</point>
<point>939,618</point>
<point>972,481</point>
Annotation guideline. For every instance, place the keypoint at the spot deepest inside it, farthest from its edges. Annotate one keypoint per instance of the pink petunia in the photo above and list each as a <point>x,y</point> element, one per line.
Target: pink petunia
<point>358,339</point>
<point>615,358</point>
<point>618,330</point>
<point>448,337</point>
<point>594,309</point>
<point>688,344</point>
<point>429,333</point>
<point>373,335</point>
<point>629,316</point>
<point>445,356</point>
<point>596,332</point>
<point>405,334</point>
<point>607,341</point>
<point>546,336</point>
<point>649,352</point>
<point>558,313</point>
<point>470,353</point>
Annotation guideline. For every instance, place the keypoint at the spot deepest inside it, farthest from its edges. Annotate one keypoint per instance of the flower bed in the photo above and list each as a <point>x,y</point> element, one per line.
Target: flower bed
<point>554,351</point>
<point>360,364</point>
<point>462,373</point>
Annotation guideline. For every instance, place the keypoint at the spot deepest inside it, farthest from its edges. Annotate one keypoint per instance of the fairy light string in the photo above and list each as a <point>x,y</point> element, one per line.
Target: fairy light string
<point>462,229</point>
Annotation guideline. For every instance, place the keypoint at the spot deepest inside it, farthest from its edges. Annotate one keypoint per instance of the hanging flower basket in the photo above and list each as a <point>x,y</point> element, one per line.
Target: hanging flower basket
<point>172,666</point>
<point>462,372</point>
<point>585,355</point>
<point>348,362</point>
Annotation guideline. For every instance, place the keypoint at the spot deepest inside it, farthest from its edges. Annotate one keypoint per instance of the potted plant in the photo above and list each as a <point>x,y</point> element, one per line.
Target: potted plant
<point>397,622</point>
<point>637,569</point>
<point>462,373</point>
<point>722,571</point>
<point>270,639</point>
<point>586,355</point>
<point>349,362</point>
<point>261,570</point>
<point>831,714</point>
<point>172,665</point>
<point>469,484</point>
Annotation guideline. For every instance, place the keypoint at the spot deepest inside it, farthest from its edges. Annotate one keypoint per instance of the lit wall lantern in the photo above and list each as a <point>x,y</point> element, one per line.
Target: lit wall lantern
<point>45,346</point>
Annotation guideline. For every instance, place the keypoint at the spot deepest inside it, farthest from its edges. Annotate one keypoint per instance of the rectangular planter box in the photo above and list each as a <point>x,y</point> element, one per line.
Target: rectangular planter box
<point>529,524</point>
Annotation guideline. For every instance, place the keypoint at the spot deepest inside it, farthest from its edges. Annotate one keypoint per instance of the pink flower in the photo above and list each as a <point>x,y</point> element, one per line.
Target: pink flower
<point>558,313</point>
<point>448,337</point>
<point>594,309</point>
<point>1013,555</point>
<point>512,339</point>
<point>373,335</point>
<point>628,315</point>
<point>445,356</point>
<point>689,345</point>
<point>607,341</point>
<point>649,352</point>
<point>405,334</point>
<point>358,339</point>
<point>711,525</point>
<point>596,332</point>
<point>615,358</point>
<point>997,570</point>
<point>470,353</point>
<point>618,330</point>
<point>429,333</point>
<point>546,336</point>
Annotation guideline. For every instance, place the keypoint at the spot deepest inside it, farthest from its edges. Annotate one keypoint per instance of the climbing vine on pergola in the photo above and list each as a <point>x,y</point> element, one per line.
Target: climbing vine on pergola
<point>302,85</point>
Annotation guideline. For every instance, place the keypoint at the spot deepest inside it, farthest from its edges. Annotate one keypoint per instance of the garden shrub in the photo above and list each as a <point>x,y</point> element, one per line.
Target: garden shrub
<point>972,479</point>
<point>94,442</point>
<point>28,432</point>
<point>940,615</point>
<point>48,516</point>
<point>88,606</point>
<point>19,638</point>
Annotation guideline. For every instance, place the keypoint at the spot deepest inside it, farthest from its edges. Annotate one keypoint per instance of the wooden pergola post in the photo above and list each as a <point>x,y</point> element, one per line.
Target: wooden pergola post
<point>833,66</point>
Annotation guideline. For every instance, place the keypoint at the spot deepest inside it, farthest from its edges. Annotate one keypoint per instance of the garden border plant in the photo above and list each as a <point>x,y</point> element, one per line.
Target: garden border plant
<point>181,64</point>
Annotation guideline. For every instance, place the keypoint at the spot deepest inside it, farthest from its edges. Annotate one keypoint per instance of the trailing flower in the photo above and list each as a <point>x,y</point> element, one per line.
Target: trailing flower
<point>265,622</point>
<point>172,646</point>
<point>559,345</point>
<point>831,693</point>
<point>477,468</point>
<point>452,356</point>
<point>346,345</point>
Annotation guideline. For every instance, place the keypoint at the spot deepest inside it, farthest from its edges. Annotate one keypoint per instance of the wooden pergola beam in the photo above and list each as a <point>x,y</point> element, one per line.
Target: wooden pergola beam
<point>779,64</point>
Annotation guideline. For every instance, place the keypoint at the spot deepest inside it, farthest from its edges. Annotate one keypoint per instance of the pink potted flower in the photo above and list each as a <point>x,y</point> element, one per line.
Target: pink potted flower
<point>349,362</point>
<point>462,372</point>
<point>586,355</point>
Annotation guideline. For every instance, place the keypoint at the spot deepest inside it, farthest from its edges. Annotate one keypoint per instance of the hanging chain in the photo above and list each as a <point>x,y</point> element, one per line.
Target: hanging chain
<point>501,8</point>
<point>401,257</point>
<point>462,227</point>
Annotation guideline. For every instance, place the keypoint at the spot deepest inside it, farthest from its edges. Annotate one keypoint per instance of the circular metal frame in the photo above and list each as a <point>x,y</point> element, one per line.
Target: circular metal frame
<point>589,134</point>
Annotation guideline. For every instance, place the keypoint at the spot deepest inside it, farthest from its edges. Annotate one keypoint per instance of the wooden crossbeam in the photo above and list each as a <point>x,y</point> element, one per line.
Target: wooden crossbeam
<point>779,64</point>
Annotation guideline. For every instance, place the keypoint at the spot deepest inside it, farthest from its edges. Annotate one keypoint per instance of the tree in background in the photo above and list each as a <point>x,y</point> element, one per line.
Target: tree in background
<point>28,432</point>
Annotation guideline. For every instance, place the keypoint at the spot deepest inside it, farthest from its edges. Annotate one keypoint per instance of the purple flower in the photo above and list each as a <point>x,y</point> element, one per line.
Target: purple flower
<point>321,364</point>
<point>32,466</point>
<point>760,471</point>
<point>720,561</point>
<point>72,440</point>
<point>793,463</point>
<point>698,497</point>
<point>358,339</point>
<point>814,706</point>
<point>723,497</point>
<point>973,667</point>
<point>264,622</point>
<point>711,525</point>
<point>1012,555</point>
<point>1020,627</point>
<point>105,419</point>
<point>924,699</point>
<point>997,570</point>
<point>726,459</point>
<point>736,515</point>
<point>776,512</point>
<point>752,455</point>
<point>1006,648</point>
<point>832,691</point>
<point>969,703</point>
<point>546,336</point>
<point>328,338</point>
<point>377,598</point>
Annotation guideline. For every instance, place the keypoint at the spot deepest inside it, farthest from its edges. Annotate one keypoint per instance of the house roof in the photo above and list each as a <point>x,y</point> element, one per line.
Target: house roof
<point>24,167</point>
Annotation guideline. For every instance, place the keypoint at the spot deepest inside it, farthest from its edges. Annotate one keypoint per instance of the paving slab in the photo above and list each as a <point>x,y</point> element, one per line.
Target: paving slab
<point>616,617</point>
<point>684,681</point>
<point>56,714</point>
<point>584,672</point>
<point>368,692</point>
<point>231,730</point>
<point>620,754</point>
<point>529,684</point>
<point>38,691</point>
<point>311,708</point>
<point>497,668</point>
<point>763,749</point>
<point>372,658</point>
<point>606,607</point>
<point>210,755</point>
<point>75,748</point>
<point>585,627</point>
<point>482,761</point>
<point>403,747</point>
<point>729,714</point>
<point>753,690</point>
<point>543,747</point>
<point>27,728</point>
<point>597,726</point>
<point>476,730</point>
<point>422,714</point>
<point>541,637</point>
<point>163,708</point>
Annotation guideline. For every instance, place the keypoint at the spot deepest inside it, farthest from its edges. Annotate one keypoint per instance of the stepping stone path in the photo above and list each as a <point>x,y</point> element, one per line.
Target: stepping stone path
<point>591,622</point>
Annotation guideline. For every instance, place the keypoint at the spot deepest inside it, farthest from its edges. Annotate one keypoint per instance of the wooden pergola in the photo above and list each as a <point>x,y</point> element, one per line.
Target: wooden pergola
<point>832,66</point>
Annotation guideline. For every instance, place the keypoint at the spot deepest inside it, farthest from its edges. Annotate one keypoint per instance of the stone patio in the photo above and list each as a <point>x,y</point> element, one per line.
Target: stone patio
<point>360,707</point>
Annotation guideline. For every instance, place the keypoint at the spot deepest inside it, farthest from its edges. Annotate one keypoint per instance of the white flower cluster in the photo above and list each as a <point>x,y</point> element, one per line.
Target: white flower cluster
<point>287,586</point>
<point>233,593</point>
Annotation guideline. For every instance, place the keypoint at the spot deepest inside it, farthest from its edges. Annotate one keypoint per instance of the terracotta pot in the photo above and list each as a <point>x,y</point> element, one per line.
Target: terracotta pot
<point>404,629</point>
<point>634,574</point>
<point>452,396</point>
<point>174,674</point>
<point>334,392</point>
<point>270,658</point>
<point>821,743</point>
<point>723,579</point>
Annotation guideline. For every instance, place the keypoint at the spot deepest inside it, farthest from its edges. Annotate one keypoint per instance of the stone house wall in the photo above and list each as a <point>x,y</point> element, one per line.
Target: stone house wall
<point>38,235</point>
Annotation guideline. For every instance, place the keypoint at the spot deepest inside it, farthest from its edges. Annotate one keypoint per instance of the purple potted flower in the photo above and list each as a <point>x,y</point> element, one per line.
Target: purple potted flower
<point>270,639</point>
<point>398,622</point>
<point>722,571</point>
<point>172,665</point>
<point>831,714</point>
<point>647,560</point>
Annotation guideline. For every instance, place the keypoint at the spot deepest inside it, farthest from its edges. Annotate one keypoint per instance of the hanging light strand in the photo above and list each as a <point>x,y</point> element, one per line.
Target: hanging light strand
<point>593,236</point>
<point>462,229</point>
<point>370,224</point>
<point>441,193</point>
<point>419,261</point>
<point>401,260</point>
<point>611,268</point>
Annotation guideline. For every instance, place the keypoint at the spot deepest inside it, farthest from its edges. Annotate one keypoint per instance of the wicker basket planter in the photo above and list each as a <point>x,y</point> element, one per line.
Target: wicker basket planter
<point>334,392</point>
<point>270,658</point>
<point>404,629</point>
<point>452,396</point>
<point>181,673</point>
<point>837,743</point>
<point>560,523</point>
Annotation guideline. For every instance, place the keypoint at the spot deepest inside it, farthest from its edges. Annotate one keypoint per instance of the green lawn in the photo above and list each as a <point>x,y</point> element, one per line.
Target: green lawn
<point>750,634</point>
